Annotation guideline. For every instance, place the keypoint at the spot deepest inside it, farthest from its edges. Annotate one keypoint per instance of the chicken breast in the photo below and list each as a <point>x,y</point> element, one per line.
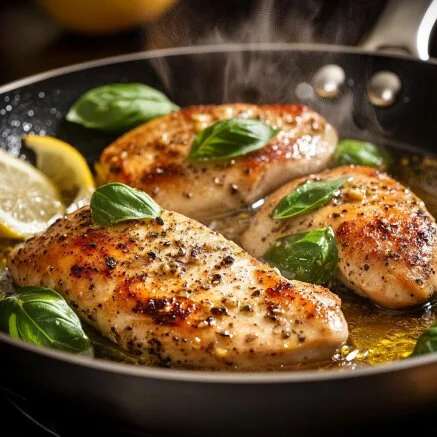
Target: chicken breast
<point>153,158</point>
<point>386,237</point>
<point>179,294</point>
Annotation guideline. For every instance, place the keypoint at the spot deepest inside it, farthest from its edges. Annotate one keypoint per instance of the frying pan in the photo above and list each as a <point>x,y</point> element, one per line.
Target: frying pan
<point>399,112</point>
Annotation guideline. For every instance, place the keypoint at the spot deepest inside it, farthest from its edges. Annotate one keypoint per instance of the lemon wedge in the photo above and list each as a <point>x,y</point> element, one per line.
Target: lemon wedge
<point>65,166</point>
<point>28,198</point>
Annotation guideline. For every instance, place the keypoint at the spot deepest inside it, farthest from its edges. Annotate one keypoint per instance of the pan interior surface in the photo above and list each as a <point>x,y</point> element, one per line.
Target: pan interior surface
<point>262,73</point>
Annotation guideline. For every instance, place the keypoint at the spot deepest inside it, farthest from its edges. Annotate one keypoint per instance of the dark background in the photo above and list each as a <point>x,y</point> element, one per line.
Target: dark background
<point>31,42</point>
<point>14,424</point>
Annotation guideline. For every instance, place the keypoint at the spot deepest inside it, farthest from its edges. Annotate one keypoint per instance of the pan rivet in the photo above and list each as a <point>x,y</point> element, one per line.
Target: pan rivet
<point>304,91</point>
<point>383,88</point>
<point>329,80</point>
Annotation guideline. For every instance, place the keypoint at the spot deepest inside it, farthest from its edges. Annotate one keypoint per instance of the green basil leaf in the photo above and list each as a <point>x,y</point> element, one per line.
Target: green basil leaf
<point>350,152</point>
<point>42,317</point>
<point>305,256</point>
<point>307,197</point>
<point>230,138</point>
<point>114,203</point>
<point>104,348</point>
<point>427,342</point>
<point>118,107</point>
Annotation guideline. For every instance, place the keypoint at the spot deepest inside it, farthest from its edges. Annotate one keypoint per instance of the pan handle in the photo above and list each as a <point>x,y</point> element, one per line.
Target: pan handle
<point>405,27</point>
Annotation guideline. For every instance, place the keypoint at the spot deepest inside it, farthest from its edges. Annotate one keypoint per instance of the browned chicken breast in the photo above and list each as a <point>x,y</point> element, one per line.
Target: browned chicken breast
<point>386,238</point>
<point>175,292</point>
<point>153,157</point>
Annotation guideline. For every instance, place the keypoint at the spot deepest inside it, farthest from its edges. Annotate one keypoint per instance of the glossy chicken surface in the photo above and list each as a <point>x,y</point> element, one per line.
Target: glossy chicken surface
<point>386,238</point>
<point>177,293</point>
<point>153,157</point>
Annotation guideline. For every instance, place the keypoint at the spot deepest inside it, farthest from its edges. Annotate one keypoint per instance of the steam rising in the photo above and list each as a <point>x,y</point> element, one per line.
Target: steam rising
<point>269,76</point>
<point>244,77</point>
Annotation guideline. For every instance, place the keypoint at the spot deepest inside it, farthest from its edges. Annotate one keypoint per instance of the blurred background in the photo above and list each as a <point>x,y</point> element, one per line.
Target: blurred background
<point>38,35</point>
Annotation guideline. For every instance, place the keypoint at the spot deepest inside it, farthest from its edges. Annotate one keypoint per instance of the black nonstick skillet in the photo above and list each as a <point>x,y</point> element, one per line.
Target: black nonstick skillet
<point>387,98</point>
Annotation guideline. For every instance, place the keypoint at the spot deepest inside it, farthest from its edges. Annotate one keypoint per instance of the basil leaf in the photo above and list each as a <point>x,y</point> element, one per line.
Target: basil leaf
<point>350,152</point>
<point>104,348</point>
<point>307,197</point>
<point>42,317</point>
<point>115,203</point>
<point>427,342</point>
<point>118,107</point>
<point>305,256</point>
<point>230,138</point>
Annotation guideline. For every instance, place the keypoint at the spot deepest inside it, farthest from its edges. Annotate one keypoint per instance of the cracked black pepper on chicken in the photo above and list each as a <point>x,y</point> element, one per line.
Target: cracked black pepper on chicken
<point>180,294</point>
<point>387,240</point>
<point>153,158</point>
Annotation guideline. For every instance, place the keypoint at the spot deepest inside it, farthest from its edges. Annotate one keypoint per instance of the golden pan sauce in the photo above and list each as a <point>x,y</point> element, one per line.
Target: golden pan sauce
<point>376,335</point>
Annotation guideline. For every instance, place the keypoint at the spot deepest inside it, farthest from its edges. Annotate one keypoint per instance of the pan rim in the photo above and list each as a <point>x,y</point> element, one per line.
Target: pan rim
<point>218,377</point>
<point>211,48</point>
<point>229,377</point>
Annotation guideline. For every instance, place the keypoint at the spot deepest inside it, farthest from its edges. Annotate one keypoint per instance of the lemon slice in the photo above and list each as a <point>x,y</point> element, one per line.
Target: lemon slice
<point>28,199</point>
<point>65,166</point>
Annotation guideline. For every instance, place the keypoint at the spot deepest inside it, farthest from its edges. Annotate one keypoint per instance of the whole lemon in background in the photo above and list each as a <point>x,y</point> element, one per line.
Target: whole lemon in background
<point>98,17</point>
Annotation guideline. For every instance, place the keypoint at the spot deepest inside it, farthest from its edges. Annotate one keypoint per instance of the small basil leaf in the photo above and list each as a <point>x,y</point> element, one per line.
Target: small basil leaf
<point>307,197</point>
<point>114,203</point>
<point>350,152</point>
<point>230,138</point>
<point>42,317</point>
<point>104,348</point>
<point>305,256</point>
<point>427,342</point>
<point>118,107</point>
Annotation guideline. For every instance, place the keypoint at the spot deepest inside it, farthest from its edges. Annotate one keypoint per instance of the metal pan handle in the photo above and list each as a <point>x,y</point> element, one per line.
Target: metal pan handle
<point>405,27</point>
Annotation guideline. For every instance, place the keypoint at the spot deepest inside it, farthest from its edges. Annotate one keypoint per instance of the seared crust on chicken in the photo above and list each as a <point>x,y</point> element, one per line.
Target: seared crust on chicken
<point>386,238</point>
<point>153,157</point>
<point>177,293</point>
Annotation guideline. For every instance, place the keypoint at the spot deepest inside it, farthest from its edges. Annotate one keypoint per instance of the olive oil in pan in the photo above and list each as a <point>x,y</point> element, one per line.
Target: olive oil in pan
<point>5,249</point>
<point>6,284</point>
<point>376,335</point>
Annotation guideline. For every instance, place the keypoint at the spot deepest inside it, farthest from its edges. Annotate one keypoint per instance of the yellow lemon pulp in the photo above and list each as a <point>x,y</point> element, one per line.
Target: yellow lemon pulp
<point>65,166</point>
<point>28,198</point>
